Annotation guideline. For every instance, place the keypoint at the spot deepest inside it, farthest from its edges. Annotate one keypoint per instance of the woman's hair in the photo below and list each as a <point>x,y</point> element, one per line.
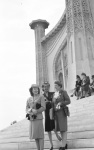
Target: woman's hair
<point>46,84</point>
<point>92,76</point>
<point>58,83</point>
<point>83,74</point>
<point>31,89</point>
<point>78,77</point>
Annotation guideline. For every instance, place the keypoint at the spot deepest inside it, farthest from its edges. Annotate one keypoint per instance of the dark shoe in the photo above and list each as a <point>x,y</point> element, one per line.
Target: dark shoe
<point>51,148</point>
<point>62,148</point>
<point>71,95</point>
<point>66,147</point>
<point>82,97</point>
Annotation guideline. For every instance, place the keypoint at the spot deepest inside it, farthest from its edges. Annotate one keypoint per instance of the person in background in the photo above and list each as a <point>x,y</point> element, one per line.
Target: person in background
<point>77,87</point>
<point>92,84</point>
<point>49,122</point>
<point>34,107</point>
<point>61,111</point>
<point>85,90</point>
<point>42,89</point>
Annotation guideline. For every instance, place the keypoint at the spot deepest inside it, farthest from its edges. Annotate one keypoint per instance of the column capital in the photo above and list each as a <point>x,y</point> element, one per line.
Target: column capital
<point>35,23</point>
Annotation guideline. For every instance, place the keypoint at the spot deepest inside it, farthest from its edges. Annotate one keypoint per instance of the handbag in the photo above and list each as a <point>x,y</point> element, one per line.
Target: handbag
<point>28,116</point>
<point>33,116</point>
<point>66,111</point>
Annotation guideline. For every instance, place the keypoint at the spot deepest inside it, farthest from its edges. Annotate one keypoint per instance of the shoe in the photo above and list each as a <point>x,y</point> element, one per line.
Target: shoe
<point>66,147</point>
<point>82,97</point>
<point>62,148</point>
<point>51,148</point>
<point>71,95</point>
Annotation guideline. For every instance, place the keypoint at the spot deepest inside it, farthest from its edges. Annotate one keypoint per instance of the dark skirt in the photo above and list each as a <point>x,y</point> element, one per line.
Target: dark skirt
<point>49,124</point>
<point>60,120</point>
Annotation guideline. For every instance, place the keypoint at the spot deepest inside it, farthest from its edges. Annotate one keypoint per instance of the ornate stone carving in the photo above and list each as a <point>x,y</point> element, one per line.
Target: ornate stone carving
<point>69,16</point>
<point>87,17</point>
<point>77,15</point>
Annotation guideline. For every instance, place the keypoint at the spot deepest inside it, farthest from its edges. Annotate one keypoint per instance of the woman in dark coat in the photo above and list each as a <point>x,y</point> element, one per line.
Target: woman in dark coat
<point>85,90</point>
<point>77,87</point>
<point>49,122</point>
<point>60,100</point>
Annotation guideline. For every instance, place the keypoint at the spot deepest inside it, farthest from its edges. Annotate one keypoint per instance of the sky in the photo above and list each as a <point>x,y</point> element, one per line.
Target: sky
<point>17,52</point>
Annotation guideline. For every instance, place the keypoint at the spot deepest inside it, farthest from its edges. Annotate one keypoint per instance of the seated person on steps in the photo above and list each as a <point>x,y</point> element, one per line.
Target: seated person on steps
<point>92,84</point>
<point>85,90</point>
<point>77,87</point>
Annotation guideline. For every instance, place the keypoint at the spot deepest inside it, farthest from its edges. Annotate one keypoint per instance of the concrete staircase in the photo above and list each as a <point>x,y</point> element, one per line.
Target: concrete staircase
<point>80,130</point>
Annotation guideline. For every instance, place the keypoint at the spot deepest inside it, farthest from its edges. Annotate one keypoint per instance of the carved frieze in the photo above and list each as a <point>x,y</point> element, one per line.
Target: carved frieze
<point>69,17</point>
<point>77,15</point>
<point>87,17</point>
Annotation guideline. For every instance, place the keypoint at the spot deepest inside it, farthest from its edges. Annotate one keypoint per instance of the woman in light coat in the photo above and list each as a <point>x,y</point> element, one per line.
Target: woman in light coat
<point>34,107</point>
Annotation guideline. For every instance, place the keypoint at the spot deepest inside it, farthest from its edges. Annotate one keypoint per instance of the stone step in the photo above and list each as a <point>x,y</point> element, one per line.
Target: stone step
<point>80,135</point>
<point>87,127</point>
<point>9,146</point>
<point>86,112</point>
<point>81,107</point>
<point>84,121</point>
<point>72,121</point>
<point>81,143</point>
<point>80,117</point>
<point>78,143</point>
<point>71,136</point>
<point>83,101</point>
<point>13,146</point>
<point>74,124</point>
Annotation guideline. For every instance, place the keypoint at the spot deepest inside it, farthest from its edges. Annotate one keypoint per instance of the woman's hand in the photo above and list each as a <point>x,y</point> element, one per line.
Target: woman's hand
<point>29,111</point>
<point>34,111</point>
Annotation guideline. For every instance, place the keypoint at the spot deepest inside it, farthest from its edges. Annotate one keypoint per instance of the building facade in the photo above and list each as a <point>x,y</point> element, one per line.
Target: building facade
<point>68,49</point>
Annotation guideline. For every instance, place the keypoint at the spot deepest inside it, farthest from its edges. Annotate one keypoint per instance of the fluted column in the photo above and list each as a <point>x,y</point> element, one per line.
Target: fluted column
<point>39,27</point>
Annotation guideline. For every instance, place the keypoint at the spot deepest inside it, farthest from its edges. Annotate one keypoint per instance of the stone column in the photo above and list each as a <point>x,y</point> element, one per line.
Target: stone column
<point>39,27</point>
<point>80,39</point>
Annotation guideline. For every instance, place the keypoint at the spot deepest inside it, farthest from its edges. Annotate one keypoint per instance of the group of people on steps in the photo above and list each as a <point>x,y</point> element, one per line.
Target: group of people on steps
<point>54,104</point>
<point>83,87</point>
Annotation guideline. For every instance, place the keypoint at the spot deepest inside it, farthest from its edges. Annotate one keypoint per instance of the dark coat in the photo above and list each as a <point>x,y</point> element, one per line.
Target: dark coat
<point>62,113</point>
<point>85,84</point>
<point>49,124</point>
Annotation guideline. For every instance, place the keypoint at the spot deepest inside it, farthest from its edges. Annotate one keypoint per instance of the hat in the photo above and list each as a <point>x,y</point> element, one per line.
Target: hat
<point>34,86</point>
<point>83,74</point>
<point>92,76</point>
<point>46,84</point>
<point>58,83</point>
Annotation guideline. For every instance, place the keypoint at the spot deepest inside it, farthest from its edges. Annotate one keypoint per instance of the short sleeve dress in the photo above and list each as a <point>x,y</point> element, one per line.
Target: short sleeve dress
<point>36,130</point>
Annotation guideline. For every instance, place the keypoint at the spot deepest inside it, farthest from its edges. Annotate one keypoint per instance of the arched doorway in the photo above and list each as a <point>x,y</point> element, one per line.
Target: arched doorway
<point>58,69</point>
<point>60,65</point>
<point>60,78</point>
